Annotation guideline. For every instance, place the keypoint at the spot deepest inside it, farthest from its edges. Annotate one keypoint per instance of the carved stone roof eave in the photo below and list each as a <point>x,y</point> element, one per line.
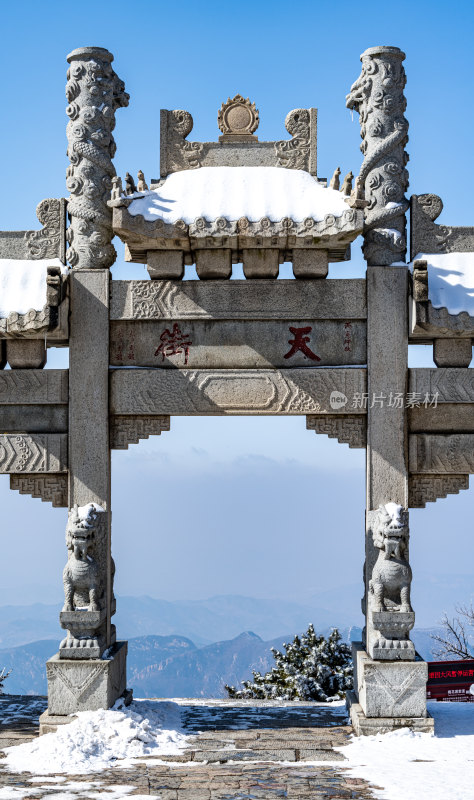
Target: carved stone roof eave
<point>332,233</point>
<point>50,322</point>
<point>427,322</point>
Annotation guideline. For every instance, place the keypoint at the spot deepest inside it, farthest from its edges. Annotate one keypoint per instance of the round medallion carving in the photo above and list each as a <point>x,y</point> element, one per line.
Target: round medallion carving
<point>238,117</point>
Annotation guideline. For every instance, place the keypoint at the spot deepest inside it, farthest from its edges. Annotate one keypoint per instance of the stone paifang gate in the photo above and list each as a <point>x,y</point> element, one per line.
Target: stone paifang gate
<point>143,351</point>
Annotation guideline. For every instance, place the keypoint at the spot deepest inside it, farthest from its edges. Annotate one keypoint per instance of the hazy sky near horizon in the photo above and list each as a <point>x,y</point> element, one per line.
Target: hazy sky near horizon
<point>253,506</point>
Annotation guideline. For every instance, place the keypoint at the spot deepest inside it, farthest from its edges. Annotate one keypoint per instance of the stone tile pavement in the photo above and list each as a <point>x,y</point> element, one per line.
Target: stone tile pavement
<point>236,752</point>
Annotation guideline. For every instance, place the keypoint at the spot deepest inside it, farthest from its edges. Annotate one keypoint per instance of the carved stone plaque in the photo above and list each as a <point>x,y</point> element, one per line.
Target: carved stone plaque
<point>238,344</point>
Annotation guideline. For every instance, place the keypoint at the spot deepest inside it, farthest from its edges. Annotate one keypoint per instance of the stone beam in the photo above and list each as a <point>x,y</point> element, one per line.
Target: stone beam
<point>34,418</point>
<point>33,453</point>
<point>444,418</point>
<point>238,344</point>
<point>221,392</point>
<point>441,453</point>
<point>262,300</point>
<point>34,387</point>
<point>450,385</point>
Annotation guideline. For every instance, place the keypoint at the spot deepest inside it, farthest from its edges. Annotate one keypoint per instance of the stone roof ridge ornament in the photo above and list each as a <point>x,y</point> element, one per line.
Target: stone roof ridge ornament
<point>238,120</point>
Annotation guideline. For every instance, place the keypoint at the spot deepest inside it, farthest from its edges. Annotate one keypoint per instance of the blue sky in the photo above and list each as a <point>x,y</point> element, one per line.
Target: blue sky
<point>253,506</point>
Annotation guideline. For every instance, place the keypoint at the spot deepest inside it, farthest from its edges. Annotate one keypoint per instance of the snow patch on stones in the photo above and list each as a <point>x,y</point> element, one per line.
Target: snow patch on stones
<point>235,192</point>
<point>419,765</point>
<point>23,284</point>
<point>97,740</point>
<point>450,281</point>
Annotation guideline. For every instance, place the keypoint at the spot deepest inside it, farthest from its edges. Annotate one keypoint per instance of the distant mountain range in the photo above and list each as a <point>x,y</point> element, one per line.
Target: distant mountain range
<point>172,666</point>
<point>203,621</point>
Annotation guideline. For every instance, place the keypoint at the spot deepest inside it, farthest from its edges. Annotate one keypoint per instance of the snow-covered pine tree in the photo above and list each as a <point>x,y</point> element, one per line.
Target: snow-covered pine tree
<point>311,668</point>
<point>3,676</point>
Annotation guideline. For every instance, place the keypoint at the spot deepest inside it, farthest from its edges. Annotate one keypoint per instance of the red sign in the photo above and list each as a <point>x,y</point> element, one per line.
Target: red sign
<point>451,681</point>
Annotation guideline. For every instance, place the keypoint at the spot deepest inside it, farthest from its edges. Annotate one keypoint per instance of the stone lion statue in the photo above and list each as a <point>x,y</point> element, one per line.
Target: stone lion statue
<point>81,574</point>
<point>391,575</point>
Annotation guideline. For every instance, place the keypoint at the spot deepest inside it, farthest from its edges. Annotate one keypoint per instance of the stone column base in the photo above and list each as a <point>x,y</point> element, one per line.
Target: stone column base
<point>86,684</point>
<point>366,726</point>
<point>389,688</point>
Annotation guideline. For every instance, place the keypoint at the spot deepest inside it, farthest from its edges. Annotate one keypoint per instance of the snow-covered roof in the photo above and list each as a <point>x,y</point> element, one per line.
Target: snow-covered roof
<point>23,284</point>
<point>450,281</point>
<point>236,192</point>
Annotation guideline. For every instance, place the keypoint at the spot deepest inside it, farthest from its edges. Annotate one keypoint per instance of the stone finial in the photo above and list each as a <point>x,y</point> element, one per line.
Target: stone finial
<point>142,185</point>
<point>347,184</point>
<point>94,93</point>
<point>117,189</point>
<point>237,117</point>
<point>130,187</point>
<point>378,97</point>
<point>335,182</point>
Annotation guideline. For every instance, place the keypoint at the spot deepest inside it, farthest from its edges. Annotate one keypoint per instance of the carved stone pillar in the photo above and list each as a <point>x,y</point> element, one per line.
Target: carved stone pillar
<point>378,97</point>
<point>94,92</point>
<point>389,684</point>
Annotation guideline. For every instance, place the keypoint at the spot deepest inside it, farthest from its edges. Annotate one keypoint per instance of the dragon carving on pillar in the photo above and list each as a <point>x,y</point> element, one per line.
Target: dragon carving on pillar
<point>377,95</point>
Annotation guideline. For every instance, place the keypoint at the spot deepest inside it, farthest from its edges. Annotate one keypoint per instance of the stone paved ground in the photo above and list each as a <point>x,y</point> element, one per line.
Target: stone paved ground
<point>235,753</point>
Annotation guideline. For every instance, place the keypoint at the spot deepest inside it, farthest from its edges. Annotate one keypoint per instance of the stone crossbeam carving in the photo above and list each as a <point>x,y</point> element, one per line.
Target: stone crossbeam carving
<point>448,385</point>
<point>424,489</point>
<point>33,453</point>
<point>34,387</point>
<point>378,97</point>
<point>94,93</point>
<point>441,453</point>
<point>351,430</point>
<point>217,392</point>
<point>129,430</point>
<point>264,300</point>
<point>48,488</point>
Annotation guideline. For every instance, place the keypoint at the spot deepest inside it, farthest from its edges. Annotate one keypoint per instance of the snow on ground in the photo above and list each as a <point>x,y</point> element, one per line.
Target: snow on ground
<point>451,281</point>
<point>235,192</point>
<point>23,284</point>
<point>97,739</point>
<point>415,766</point>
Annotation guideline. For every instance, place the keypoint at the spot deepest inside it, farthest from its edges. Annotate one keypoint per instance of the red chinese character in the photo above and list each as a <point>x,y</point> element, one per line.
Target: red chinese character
<point>300,343</point>
<point>174,343</point>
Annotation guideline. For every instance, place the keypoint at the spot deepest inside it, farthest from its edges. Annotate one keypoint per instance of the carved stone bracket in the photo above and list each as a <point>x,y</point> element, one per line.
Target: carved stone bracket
<point>427,237</point>
<point>125,430</point>
<point>424,489</point>
<point>351,430</point>
<point>48,488</point>
<point>49,242</point>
